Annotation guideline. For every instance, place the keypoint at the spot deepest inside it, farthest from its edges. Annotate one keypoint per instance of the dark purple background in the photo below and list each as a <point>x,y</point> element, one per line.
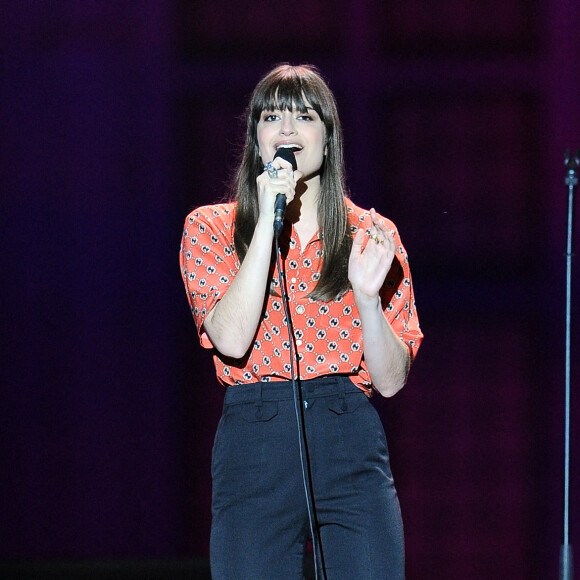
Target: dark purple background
<point>118,118</point>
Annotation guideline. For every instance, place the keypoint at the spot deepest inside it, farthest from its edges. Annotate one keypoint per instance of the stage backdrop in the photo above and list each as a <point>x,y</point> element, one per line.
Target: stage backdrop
<point>118,119</point>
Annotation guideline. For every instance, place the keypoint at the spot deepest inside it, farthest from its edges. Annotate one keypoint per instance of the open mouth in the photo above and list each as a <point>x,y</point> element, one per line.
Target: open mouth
<point>292,146</point>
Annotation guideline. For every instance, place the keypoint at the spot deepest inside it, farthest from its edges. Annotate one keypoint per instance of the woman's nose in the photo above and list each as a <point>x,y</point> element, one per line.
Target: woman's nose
<point>287,127</point>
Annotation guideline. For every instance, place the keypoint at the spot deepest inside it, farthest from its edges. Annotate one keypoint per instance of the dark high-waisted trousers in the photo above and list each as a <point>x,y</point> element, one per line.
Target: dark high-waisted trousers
<point>260,521</point>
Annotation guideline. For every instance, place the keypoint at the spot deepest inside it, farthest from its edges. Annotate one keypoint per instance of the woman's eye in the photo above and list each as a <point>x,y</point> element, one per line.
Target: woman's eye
<point>270,117</point>
<point>305,117</point>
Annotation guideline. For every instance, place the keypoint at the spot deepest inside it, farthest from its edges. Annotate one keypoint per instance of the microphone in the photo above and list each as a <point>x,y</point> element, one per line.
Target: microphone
<point>280,205</point>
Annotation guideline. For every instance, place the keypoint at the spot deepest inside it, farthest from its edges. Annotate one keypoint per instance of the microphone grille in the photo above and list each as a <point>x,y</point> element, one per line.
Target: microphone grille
<point>287,154</point>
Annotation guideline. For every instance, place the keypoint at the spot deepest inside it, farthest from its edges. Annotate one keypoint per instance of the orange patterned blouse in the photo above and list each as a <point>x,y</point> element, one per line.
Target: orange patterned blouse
<point>327,335</point>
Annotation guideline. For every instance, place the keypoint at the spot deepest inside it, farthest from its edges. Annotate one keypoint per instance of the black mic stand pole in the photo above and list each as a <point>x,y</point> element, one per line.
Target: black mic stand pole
<point>566,557</point>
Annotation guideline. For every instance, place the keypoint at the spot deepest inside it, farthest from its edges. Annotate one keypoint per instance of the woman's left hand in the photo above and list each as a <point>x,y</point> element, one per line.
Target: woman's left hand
<point>371,257</point>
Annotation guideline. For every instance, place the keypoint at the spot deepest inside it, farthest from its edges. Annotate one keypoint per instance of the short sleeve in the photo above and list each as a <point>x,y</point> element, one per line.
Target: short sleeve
<point>398,298</point>
<point>208,260</point>
<point>397,295</point>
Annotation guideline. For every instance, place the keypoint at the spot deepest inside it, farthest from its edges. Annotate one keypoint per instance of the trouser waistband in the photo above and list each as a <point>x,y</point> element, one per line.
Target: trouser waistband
<point>283,390</point>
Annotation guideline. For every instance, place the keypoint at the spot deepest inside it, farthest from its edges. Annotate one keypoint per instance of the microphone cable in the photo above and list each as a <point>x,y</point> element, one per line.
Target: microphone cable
<point>319,569</point>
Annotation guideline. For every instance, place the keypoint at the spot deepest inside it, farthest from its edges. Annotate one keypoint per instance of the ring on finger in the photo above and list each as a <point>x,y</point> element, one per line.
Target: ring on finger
<point>272,171</point>
<point>377,240</point>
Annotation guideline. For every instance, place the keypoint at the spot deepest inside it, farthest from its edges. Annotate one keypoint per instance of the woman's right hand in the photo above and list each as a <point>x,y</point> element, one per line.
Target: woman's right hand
<point>270,187</point>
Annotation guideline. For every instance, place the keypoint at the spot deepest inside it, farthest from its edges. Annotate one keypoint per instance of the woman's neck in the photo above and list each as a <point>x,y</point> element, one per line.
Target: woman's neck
<point>303,211</point>
<point>304,206</point>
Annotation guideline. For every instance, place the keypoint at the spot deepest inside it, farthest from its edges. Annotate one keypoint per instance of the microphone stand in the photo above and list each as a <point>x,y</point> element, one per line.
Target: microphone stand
<point>571,163</point>
<point>319,567</point>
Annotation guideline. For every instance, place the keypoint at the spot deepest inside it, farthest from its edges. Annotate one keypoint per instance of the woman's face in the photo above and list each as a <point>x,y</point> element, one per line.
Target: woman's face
<point>303,132</point>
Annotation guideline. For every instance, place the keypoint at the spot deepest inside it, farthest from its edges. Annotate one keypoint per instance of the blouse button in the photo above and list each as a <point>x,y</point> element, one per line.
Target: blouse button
<point>298,342</point>
<point>300,309</point>
<point>293,280</point>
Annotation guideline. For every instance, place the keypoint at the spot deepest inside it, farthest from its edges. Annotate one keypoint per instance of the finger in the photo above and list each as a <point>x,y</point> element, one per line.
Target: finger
<point>279,164</point>
<point>384,231</point>
<point>273,172</point>
<point>378,222</point>
<point>282,172</point>
<point>358,241</point>
<point>376,235</point>
<point>284,185</point>
<point>380,229</point>
<point>282,163</point>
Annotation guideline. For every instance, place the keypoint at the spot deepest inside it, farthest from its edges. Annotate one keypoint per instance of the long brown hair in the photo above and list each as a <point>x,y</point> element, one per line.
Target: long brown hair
<point>283,88</point>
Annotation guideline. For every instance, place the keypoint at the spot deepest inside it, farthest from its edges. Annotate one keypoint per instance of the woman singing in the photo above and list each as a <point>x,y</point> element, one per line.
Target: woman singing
<point>351,329</point>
